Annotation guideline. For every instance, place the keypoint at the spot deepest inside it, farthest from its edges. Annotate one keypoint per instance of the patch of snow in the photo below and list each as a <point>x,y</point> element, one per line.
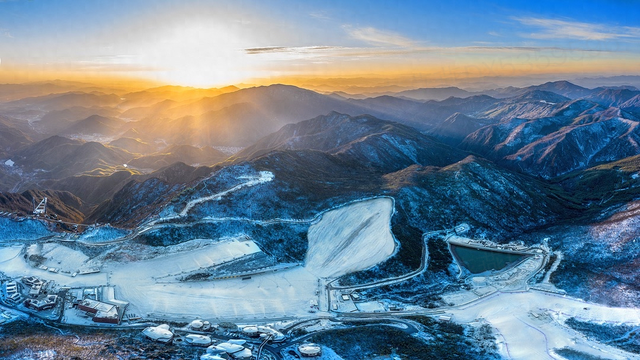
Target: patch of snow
<point>351,238</point>
<point>534,337</point>
<point>228,150</point>
<point>14,265</point>
<point>370,306</point>
<point>62,257</point>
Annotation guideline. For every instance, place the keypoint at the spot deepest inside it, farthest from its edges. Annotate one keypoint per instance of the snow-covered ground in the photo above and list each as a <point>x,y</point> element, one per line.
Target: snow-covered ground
<point>14,265</point>
<point>62,258</point>
<point>351,238</point>
<point>270,295</point>
<point>346,239</point>
<point>179,263</point>
<point>370,306</point>
<point>529,323</point>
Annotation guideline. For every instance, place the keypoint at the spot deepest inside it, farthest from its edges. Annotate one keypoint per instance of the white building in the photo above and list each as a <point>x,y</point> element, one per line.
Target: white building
<point>310,350</point>
<point>160,333</point>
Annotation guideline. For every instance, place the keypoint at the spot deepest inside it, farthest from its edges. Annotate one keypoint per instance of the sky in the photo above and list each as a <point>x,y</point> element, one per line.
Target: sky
<point>361,43</point>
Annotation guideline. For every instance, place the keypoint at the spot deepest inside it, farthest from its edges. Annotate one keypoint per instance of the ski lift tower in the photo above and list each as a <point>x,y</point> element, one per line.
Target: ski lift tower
<point>41,208</point>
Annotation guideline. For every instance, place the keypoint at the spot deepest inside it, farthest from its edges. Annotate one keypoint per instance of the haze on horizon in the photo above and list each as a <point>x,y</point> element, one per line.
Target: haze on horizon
<point>318,44</point>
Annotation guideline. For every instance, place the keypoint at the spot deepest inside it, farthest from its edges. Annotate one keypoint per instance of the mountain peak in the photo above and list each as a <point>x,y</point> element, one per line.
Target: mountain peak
<point>539,95</point>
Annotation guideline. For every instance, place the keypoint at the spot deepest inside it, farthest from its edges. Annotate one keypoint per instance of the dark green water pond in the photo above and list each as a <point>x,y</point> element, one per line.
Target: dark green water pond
<point>478,261</point>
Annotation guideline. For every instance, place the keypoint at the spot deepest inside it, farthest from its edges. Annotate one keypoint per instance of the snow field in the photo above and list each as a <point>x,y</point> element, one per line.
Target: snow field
<point>14,265</point>
<point>7,254</point>
<point>347,239</point>
<point>149,287</point>
<point>354,237</point>
<point>186,261</point>
<point>529,337</point>
<point>351,238</point>
<point>271,295</point>
<point>62,257</point>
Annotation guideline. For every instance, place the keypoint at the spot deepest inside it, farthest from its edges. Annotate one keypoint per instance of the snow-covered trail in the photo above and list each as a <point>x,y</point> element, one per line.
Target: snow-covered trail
<point>263,177</point>
<point>531,323</point>
<point>166,221</point>
<point>553,268</point>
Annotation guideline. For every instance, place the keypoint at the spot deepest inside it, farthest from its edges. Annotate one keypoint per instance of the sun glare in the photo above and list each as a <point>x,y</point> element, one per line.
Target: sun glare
<point>198,55</point>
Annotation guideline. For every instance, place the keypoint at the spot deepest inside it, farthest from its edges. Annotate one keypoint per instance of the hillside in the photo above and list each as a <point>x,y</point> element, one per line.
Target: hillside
<point>190,155</point>
<point>365,140</point>
<point>95,125</point>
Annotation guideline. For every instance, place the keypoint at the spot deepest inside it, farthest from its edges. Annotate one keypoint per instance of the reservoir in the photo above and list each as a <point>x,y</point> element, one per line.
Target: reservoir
<point>478,261</point>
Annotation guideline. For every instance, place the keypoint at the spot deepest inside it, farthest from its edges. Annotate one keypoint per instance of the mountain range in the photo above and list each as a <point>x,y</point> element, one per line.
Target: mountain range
<point>96,143</point>
<point>553,160</point>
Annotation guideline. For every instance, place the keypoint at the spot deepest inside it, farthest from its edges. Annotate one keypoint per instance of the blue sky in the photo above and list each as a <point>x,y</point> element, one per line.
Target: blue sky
<point>213,42</point>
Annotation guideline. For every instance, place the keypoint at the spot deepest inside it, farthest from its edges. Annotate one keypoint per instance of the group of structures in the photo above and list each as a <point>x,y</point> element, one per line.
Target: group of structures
<point>236,349</point>
<point>198,333</point>
<point>38,295</point>
<point>99,303</point>
<point>31,292</point>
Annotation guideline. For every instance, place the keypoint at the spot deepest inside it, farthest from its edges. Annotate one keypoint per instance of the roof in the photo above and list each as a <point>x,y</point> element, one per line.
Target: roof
<point>230,348</point>
<point>97,305</point>
<point>242,354</point>
<point>309,348</point>
<point>158,333</point>
<point>198,339</point>
<point>101,310</point>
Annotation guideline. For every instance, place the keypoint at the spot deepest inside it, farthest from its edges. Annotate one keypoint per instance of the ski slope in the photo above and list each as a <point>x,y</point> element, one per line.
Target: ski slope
<point>351,238</point>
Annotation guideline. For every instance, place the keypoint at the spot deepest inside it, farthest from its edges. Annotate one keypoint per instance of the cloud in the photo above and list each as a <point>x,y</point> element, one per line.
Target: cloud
<point>339,52</point>
<point>5,33</point>
<point>290,49</point>
<point>321,15</point>
<point>563,29</point>
<point>378,37</point>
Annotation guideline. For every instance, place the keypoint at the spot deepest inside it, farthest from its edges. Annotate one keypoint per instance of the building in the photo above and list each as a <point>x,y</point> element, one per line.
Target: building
<point>32,281</point>
<point>310,350</point>
<point>200,325</point>
<point>46,303</point>
<point>14,299</point>
<point>198,340</point>
<point>102,312</point>
<point>160,333</point>
<point>11,287</point>
<point>13,295</point>
<point>35,284</point>
<point>235,351</point>
<point>462,228</point>
<point>251,331</point>
<point>35,290</point>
